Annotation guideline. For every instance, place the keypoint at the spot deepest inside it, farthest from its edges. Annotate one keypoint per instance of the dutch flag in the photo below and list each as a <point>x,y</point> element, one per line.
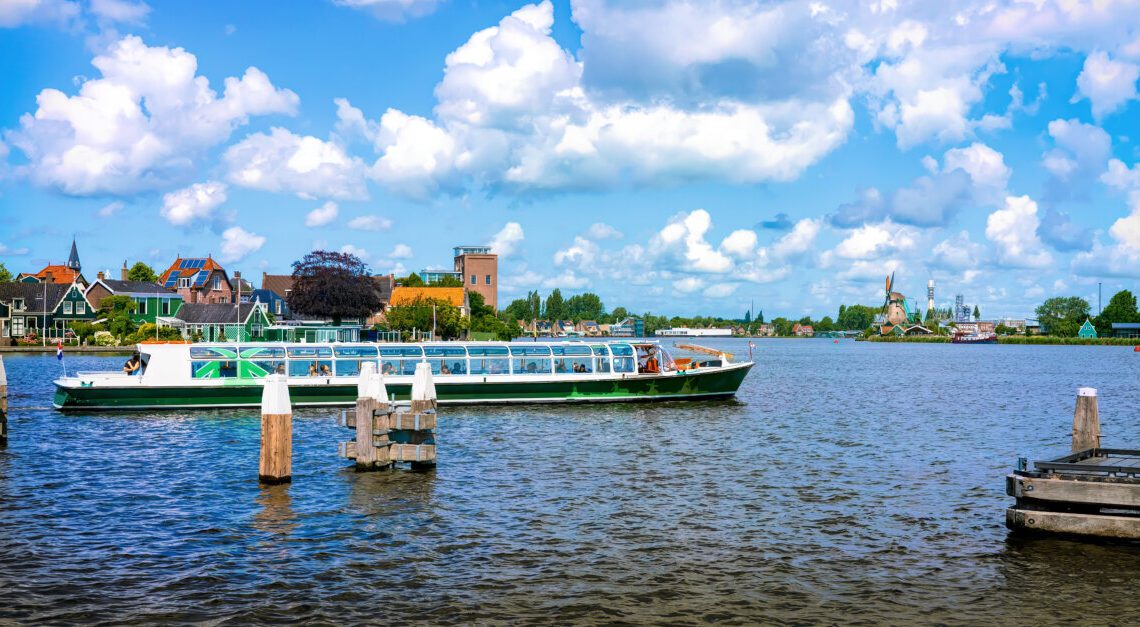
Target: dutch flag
<point>59,350</point>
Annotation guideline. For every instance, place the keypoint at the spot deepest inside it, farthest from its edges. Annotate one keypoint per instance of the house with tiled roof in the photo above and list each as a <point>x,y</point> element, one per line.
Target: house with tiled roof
<point>215,322</point>
<point>198,280</point>
<point>152,300</point>
<point>58,273</point>
<point>803,330</point>
<point>31,308</point>
<point>454,296</point>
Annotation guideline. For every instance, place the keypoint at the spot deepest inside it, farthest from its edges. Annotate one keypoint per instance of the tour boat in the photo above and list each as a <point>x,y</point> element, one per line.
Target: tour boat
<point>223,374</point>
<point>980,337</point>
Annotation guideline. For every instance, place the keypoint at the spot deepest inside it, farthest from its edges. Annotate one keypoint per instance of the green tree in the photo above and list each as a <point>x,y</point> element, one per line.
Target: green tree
<point>618,314</point>
<point>1062,315</point>
<point>449,323</point>
<point>412,280</point>
<point>5,275</point>
<point>1121,308</point>
<point>535,309</point>
<point>519,309</point>
<point>444,281</point>
<point>856,317</point>
<point>142,272</point>
<point>555,307</point>
<point>825,325</point>
<point>116,312</point>
<point>977,314</point>
<point>477,306</point>
<point>760,316</point>
<point>782,326</point>
<point>585,306</point>
<point>748,317</point>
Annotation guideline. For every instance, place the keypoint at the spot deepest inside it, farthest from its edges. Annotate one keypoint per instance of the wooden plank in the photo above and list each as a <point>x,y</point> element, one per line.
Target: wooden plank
<point>412,453</point>
<point>346,450</point>
<point>1102,526</point>
<point>276,462</point>
<point>346,418</point>
<point>368,457</point>
<point>413,421</point>
<point>1106,493</point>
<point>424,406</point>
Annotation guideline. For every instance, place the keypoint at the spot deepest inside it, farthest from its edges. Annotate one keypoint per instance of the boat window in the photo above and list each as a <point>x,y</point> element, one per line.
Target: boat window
<point>310,367</point>
<point>531,365</point>
<point>527,351</point>
<point>399,366</point>
<point>351,367</point>
<point>260,352</point>
<point>401,351</point>
<point>355,351</point>
<point>621,349</point>
<point>309,352</point>
<point>216,369</point>
<point>446,351</point>
<point>579,365</point>
<point>624,364</point>
<point>489,360</point>
<point>571,349</point>
<point>258,368</point>
<point>213,352</point>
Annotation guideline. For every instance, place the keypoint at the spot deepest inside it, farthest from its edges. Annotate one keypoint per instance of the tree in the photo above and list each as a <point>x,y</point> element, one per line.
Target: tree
<point>977,314</point>
<point>443,281</point>
<point>449,323</point>
<point>477,305</point>
<point>585,306</point>
<point>555,306</point>
<point>333,284</point>
<point>116,312</point>
<point>519,309</point>
<point>142,272</point>
<point>1121,308</point>
<point>618,314</point>
<point>856,317</point>
<point>760,316</point>
<point>535,302</point>
<point>412,280</point>
<point>825,325</point>
<point>748,317</point>
<point>782,326</point>
<point>1062,315</point>
<point>5,275</point>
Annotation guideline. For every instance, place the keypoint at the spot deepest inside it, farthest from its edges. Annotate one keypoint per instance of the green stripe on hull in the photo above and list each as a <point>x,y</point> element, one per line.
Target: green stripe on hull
<point>709,384</point>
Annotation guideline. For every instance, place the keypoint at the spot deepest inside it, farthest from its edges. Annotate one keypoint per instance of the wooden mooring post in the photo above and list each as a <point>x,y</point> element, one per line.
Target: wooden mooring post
<point>387,433</point>
<point>276,465</point>
<point>1093,491</point>
<point>3,404</point>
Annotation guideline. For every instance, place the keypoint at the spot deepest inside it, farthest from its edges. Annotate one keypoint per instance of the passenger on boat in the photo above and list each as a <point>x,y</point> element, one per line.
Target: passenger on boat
<point>457,368</point>
<point>651,366</point>
<point>443,369</point>
<point>389,368</point>
<point>280,368</point>
<point>325,370</point>
<point>133,365</point>
<point>313,369</point>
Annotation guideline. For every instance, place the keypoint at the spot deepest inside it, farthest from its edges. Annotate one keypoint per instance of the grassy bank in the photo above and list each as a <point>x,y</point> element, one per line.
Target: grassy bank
<point>1019,339</point>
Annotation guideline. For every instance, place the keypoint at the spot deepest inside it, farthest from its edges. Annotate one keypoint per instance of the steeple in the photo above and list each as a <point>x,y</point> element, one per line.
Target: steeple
<point>73,260</point>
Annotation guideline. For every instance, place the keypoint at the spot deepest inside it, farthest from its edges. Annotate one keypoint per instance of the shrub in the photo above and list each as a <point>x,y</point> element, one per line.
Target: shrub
<point>105,338</point>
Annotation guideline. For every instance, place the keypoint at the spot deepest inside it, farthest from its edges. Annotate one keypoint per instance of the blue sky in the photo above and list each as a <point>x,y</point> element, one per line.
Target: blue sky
<point>679,157</point>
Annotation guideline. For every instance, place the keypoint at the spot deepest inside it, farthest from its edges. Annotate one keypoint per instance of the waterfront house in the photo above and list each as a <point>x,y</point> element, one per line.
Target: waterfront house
<point>29,308</point>
<point>564,327</point>
<point>588,328</point>
<point>1126,329</point>
<point>218,322</point>
<point>629,327</point>
<point>765,330</point>
<point>198,280</point>
<point>152,299</point>
<point>454,296</point>
<point>1087,330</point>
<point>803,330</point>
<point>274,303</point>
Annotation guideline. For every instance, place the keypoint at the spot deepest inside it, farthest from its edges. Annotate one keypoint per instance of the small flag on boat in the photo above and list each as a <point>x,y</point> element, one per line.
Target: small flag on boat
<point>59,350</point>
<point>751,344</point>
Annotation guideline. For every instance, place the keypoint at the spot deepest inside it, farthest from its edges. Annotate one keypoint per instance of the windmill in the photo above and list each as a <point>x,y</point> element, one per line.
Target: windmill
<point>894,312</point>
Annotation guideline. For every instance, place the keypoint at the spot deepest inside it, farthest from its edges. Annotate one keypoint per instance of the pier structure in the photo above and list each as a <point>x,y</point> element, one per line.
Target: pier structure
<point>1093,491</point>
<point>387,433</point>
<point>3,404</point>
<point>276,464</point>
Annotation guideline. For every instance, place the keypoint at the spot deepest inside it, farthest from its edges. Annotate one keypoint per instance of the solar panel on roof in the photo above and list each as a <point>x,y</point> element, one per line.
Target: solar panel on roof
<point>171,281</point>
<point>200,278</point>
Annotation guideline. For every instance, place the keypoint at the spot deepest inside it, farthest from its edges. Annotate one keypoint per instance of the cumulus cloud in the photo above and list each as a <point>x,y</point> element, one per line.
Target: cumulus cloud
<point>15,252</point>
<point>238,243</point>
<point>872,241</point>
<point>401,251</point>
<point>322,215</point>
<point>392,10</point>
<point>1013,231</point>
<point>719,290</point>
<point>120,11</point>
<point>506,242</point>
<point>1108,83</point>
<point>19,12</point>
<point>111,208</point>
<point>196,202</point>
<point>142,125</point>
<point>957,253</point>
<point>370,223</point>
<point>305,166</point>
<point>601,230</point>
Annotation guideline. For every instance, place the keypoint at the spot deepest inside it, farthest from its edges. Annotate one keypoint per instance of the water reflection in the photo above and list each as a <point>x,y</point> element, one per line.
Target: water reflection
<point>275,515</point>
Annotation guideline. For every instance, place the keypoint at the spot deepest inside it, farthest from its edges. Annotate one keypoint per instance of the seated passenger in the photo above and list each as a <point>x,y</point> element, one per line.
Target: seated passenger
<point>531,368</point>
<point>443,369</point>
<point>280,368</point>
<point>389,368</point>
<point>651,365</point>
<point>313,369</point>
<point>457,368</point>
<point>325,370</point>
<point>133,364</point>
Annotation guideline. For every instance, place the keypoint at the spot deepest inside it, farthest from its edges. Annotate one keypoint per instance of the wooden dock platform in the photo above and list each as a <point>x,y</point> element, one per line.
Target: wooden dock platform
<point>1094,492</point>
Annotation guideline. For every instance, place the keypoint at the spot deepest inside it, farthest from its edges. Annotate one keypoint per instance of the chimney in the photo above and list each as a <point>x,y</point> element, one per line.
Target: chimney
<point>264,275</point>
<point>47,277</point>
<point>237,286</point>
<point>123,272</point>
<point>100,275</point>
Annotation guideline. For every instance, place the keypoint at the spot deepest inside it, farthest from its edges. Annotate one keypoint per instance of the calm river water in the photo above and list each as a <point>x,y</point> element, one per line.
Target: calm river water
<point>850,483</point>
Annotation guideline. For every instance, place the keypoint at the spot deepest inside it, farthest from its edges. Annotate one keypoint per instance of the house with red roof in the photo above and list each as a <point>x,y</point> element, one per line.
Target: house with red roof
<point>58,273</point>
<point>198,280</point>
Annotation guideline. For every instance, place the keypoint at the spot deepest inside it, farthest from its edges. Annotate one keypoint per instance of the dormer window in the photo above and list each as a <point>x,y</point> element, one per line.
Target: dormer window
<point>184,282</point>
<point>18,304</point>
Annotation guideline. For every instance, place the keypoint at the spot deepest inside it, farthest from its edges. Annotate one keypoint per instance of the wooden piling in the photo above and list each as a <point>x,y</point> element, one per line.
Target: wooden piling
<point>276,432</point>
<point>371,446</point>
<point>386,434</point>
<point>1086,421</point>
<point>3,404</point>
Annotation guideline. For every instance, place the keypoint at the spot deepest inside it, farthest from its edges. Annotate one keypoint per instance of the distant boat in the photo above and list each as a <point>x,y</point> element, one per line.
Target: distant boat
<point>974,338</point>
<point>687,332</point>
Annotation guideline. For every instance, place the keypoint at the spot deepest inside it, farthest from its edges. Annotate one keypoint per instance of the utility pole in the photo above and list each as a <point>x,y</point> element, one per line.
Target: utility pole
<point>1099,296</point>
<point>43,331</point>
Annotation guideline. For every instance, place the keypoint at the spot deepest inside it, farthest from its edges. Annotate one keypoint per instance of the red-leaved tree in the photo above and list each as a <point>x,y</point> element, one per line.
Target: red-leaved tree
<point>337,285</point>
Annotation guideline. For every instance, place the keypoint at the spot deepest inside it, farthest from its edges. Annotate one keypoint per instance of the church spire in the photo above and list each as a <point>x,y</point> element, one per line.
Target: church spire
<point>73,260</point>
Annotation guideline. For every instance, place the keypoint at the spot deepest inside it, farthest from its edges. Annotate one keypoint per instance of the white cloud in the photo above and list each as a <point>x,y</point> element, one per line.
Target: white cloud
<point>1082,150</point>
<point>8,250</point>
<point>19,12</point>
<point>740,243</point>
<point>196,202</point>
<point>799,240</point>
<point>688,285</point>
<point>683,240</point>
<point>306,166</point>
<point>986,167</point>
<point>1121,176</point>
<point>506,242</point>
<point>111,208</point>
<point>120,11</point>
<point>957,253</point>
<point>355,251</point>
<point>142,126</point>
<point>568,279</point>
<point>401,251</point>
<point>601,230</point>
<point>1107,83</point>
<point>370,223</point>
<point>322,215</point>
<point>238,243</point>
<point>719,290</point>
<point>1013,230</point>
<point>872,241</point>
<point>392,10</point>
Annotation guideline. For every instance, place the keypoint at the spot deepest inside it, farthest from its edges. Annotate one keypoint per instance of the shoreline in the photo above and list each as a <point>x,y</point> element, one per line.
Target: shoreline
<point>1041,340</point>
<point>125,350</point>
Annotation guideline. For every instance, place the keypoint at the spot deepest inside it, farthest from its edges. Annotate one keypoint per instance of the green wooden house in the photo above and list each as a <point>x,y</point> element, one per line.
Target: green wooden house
<point>42,309</point>
<point>1087,330</point>
<point>216,322</point>
<point>153,301</point>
